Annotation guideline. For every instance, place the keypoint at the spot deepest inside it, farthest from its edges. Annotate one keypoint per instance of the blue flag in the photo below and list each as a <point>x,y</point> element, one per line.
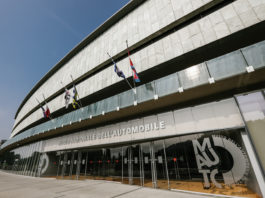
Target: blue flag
<point>118,71</point>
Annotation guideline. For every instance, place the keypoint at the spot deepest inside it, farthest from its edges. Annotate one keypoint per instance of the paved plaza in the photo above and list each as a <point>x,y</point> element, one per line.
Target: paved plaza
<point>13,186</point>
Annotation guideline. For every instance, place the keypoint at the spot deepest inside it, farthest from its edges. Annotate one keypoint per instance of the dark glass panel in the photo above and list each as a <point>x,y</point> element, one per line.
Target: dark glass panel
<point>160,164</point>
<point>146,164</point>
<point>83,164</point>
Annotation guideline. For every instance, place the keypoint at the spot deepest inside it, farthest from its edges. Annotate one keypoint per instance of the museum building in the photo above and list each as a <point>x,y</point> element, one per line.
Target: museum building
<point>165,94</point>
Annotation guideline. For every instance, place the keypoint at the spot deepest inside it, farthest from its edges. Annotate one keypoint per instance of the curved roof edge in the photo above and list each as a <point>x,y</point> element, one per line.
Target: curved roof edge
<point>130,6</point>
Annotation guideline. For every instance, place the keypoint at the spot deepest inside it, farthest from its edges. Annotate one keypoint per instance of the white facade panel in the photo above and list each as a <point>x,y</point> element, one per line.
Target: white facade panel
<point>216,115</point>
<point>150,132</point>
<point>169,123</point>
<point>184,121</point>
<point>139,133</point>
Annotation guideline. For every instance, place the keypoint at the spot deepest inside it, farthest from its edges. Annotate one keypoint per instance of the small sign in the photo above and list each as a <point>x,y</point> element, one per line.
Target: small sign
<point>136,160</point>
<point>146,160</point>
<point>250,69</point>
<point>83,161</point>
<point>211,80</point>
<point>180,89</point>
<point>160,160</point>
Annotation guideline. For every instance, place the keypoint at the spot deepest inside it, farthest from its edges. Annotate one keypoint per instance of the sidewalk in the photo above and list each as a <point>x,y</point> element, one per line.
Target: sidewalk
<point>13,186</point>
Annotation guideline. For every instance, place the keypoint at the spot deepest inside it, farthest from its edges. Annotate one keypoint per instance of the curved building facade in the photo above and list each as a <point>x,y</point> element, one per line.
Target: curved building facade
<point>194,122</point>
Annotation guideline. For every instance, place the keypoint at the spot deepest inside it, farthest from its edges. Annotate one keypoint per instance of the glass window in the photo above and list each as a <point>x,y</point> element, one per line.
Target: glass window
<point>227,65</point>
<point>193,76</point>
<point>213,162</point>
<point>126,98</point>
<point>253,109</point>
<point>112,103</point>
<point>255,54</point>
<point>167,85</point>
<point>114,164</point>
<point>94,109</point>
<point>83,112</point>
<point>101,107</point>
<point>145,92</point>
<point>160,164</point>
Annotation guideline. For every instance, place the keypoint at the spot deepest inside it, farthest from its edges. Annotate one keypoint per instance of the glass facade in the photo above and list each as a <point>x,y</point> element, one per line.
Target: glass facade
<point>211,162</point>
<point>23,160</point>
<point>252,106</point>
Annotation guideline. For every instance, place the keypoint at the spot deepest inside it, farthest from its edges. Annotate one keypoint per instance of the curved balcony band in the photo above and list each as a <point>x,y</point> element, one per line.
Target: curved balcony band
<point>217,69</point>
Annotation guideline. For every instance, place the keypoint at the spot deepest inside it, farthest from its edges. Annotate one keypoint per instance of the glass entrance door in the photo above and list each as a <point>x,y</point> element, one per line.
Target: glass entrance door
<point>66,165</point>
<point>135,166</point>
<point>160,173</point>
<point>82,164</point>
<point>132,169</point>
<point>73,167</point>
<point>60,165</point>
<point>125,164</point>
<point>146,165</point>
<point>154,167</point>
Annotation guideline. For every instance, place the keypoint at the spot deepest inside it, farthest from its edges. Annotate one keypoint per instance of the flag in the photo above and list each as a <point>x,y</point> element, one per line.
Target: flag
<point>67,97</point>
<point>47,112</point>
<point>135,75</point>
<point>118,71</point>
<point>75,94</point>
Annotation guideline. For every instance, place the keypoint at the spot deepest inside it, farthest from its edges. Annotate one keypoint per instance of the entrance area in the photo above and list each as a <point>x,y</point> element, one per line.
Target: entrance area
<point>139,164</point>
<point>213,162</point>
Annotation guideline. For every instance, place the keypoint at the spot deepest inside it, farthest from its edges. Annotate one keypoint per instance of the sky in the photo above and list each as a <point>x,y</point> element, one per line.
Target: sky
<point>34,36</point>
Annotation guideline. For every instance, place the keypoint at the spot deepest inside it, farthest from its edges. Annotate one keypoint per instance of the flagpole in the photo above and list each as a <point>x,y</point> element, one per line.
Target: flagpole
<point>63,85</point>
<point>41,106</point>
<point>125,77</point>
<point>76,92</point>
<point>67,101</point>
<point>131,70</point>
<point>37,101</point>
<point>46,106</point>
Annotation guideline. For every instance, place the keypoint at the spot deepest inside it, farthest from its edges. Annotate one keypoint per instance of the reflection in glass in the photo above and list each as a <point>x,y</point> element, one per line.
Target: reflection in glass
<point>227,65</point>
<point>145,92</point>
<point>73,169</point>
<point>160,165</point>
<point>253,109</point>
<point>146,164</point>
<point>255,54</point>
<point>83,165</point>
<point>167,85</point>
<point>114,164</point>
<point>193,76</point>
<point>213,163</point>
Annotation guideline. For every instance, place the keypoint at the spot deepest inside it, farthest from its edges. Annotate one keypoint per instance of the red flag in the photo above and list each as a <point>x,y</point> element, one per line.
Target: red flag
<point>47,112</point>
